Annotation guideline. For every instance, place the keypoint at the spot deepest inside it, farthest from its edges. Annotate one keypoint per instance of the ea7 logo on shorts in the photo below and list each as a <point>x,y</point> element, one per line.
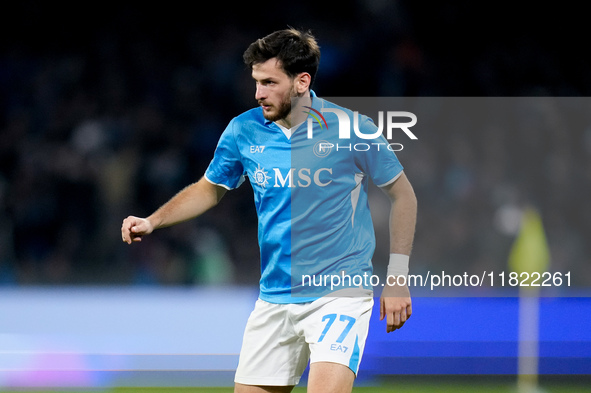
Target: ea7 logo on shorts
<point>338,347</point>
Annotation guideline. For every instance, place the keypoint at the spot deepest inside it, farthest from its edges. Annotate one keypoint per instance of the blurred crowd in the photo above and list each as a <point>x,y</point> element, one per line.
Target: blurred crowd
<point>112,111</point>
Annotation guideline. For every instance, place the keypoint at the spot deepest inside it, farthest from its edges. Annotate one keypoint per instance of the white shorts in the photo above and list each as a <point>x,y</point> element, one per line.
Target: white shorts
<point>279,339</point>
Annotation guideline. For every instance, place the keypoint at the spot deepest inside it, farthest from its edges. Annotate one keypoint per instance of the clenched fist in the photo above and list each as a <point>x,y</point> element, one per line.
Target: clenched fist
<point>133,228</point>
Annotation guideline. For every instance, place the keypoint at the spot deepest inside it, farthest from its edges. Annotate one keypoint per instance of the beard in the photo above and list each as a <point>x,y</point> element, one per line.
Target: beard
<point>283,110</point>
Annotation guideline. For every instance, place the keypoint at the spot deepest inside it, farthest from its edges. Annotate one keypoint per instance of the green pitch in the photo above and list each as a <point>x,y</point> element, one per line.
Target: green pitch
<point>415,387</point>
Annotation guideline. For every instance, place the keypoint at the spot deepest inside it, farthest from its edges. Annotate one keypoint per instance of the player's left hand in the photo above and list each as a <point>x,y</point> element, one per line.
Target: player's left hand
<point>395,306</point>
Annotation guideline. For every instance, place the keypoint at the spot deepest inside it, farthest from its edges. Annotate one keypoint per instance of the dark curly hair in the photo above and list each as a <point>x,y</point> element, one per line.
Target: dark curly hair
<point>296,50</point>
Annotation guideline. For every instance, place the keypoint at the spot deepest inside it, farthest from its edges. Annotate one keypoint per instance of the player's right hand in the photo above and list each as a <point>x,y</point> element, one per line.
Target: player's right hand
<point>133,228</point>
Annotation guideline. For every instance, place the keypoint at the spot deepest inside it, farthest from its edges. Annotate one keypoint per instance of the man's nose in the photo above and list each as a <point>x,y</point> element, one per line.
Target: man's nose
<point>260,93</point>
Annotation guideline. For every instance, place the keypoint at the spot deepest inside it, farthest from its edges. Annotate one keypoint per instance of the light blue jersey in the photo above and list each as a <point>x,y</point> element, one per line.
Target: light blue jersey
<point>310,193</point>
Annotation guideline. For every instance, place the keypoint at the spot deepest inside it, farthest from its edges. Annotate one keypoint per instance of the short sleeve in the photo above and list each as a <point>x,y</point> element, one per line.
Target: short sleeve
<point>226,169</point>
<point>379,161</point>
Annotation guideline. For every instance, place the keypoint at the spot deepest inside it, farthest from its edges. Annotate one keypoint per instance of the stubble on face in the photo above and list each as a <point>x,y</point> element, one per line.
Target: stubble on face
<point>282,110</point>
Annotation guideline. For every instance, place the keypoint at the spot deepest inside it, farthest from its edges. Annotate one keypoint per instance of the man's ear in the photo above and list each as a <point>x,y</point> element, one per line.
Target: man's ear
<point>302,82</point>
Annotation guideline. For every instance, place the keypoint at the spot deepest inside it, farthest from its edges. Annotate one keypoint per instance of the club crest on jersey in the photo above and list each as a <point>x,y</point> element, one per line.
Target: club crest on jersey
<point>322,148</point>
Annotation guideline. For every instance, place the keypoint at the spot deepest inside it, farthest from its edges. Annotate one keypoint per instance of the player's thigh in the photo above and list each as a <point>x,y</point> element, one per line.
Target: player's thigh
<point>240,388</point>
<point>272,353</point>
<point>326,377</point>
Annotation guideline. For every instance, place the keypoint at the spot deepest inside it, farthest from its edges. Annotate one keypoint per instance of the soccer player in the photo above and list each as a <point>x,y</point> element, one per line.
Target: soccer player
<point>315,231</point>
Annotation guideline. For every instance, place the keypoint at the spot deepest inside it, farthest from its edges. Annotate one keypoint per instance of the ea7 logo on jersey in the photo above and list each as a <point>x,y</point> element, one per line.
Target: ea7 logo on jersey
<point>303,177</point>
<point>257,149</point>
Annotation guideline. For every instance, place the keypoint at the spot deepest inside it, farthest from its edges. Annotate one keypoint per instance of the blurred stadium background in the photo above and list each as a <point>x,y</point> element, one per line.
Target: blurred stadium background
<point>107,109</point>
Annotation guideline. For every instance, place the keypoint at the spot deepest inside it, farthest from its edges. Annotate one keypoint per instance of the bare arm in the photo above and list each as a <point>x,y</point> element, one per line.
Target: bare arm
<point>395,302</point>
<point>403,215</point>
<point>189,203</point>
